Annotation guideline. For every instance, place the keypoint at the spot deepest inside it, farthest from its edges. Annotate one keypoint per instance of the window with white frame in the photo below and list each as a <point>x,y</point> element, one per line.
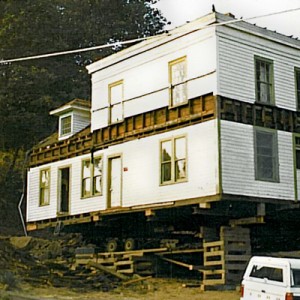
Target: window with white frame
<point>173,160</point>
<point>177,78</point>
<point>264,80</point>
<point>44,187</point>
<point>116,102</point>
<point>92,177</point>
<point>65,125</point>
<point>266,155</point>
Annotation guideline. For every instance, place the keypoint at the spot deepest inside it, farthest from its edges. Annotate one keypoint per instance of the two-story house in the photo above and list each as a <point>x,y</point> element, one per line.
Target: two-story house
<point>197,127</point>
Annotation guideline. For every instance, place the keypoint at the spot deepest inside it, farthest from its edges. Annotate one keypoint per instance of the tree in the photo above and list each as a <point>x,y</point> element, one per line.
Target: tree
<point>29,89</point>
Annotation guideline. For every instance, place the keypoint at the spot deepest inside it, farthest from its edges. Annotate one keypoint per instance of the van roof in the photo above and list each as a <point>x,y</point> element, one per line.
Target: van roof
<point>293,262</point>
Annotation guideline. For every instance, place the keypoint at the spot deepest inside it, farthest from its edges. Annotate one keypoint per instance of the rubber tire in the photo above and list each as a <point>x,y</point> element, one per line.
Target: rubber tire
<point>112,245</point>
<point>129,244</point>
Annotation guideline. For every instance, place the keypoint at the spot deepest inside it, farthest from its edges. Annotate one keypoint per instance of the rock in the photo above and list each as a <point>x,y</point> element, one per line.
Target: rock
<point>20,242</point>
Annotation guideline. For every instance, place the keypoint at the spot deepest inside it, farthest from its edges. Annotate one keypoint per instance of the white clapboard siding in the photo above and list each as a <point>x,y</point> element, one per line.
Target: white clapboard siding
<point>238,166</point>
<point>80,121</point>
<point>236,67</point>
<point>146,76</point>
<point>141,180</point>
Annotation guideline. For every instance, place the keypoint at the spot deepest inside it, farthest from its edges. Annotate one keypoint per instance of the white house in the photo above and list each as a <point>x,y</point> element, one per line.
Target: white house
<point>203,120</point>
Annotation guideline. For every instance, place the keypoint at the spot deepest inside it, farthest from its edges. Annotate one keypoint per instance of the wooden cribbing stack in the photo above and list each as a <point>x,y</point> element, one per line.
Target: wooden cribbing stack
<point>225,260</point>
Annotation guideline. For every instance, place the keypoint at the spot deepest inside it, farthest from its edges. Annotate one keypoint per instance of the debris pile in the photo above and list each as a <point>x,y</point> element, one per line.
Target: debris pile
<point>39,261</point>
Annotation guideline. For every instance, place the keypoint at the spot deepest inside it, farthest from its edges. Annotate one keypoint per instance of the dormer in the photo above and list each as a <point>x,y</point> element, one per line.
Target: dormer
<point>73,117</point>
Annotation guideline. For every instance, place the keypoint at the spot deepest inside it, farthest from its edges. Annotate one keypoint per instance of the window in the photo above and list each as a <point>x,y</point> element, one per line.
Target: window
<point>177,77</point>
<point>92,177</point>
<point>45,187</point>
<point>264,81</point>
<point>116,102</point>
<point>297,79</point>
<point>269,273</point>
<point>297,152</point>
<point>266,156</point>
<point>66,125</point>
<point>173,160</point>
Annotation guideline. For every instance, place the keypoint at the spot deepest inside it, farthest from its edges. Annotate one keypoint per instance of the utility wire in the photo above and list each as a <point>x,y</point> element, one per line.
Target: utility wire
<point>6,61</point>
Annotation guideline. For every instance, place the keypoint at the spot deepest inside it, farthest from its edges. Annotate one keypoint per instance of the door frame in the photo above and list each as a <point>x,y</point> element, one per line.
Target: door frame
<point>59,200</point>
<point>108,185</point>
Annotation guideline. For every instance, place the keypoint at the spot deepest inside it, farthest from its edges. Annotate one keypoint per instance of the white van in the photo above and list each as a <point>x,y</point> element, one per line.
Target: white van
<point>271,278</point>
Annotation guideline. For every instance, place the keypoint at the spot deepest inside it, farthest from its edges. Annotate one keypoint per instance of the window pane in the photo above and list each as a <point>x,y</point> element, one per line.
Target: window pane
<point>86,169</point>
<point>179,87</point>
<point>264,81</point>
<point>180,148</point>
<point>298,158</point>
<point>45,187</point>
<point>97,185</point>
<point>266,156</point>
<point>86,187</point>
<point>180,169</point>
<point>116,94</point>
<point>97,176</point>
<point>166,154</point>
<point>116,113</point>
<point>178,72</point>
<point>66,125</point>
<point>166,172</point>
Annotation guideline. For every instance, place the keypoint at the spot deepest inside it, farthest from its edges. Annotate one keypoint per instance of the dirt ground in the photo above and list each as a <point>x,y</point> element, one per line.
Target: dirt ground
<point>153,289</point>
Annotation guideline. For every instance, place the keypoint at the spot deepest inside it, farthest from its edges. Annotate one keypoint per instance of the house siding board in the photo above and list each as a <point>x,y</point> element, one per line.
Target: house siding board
<point>34,210</point>
<point>80,121</point>
<point>141,181</point>
<point>236,75</point>
<point>146,78</point>
<point>238,164</point>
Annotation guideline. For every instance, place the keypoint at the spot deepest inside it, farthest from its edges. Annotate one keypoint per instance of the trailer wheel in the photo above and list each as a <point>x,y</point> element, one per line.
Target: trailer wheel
<point>112,245</point>
<point>129,244</point>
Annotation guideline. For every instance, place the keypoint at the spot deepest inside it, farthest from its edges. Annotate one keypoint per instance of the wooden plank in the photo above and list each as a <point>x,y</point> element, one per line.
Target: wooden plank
<point>108,271</point>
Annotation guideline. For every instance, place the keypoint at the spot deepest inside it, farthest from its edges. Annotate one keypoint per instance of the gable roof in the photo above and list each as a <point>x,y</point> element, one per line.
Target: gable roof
<point>79,104</point>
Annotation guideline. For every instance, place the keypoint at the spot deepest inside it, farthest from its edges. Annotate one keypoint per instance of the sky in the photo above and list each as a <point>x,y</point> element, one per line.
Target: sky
<point>181,11</point>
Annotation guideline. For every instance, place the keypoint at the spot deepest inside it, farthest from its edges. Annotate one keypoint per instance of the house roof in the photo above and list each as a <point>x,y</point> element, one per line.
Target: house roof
<point>208,21</point>
<point>78,104</point>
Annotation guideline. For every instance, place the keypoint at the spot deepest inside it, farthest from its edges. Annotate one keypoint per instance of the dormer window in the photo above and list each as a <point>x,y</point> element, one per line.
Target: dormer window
<point>73,117</point>
<point>66,125</point>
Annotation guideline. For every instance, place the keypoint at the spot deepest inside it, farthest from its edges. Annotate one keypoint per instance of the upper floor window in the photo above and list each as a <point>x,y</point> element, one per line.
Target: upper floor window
<point>45,187</point>
<point>173,160</point>
<point>116,102</point>
<point>297,152</point>
<point>297,79</point>
<point>177,78</point>
<point>264,80</point>
<point>65,125</point>
<point>92,177</point>
<point>266,155</point>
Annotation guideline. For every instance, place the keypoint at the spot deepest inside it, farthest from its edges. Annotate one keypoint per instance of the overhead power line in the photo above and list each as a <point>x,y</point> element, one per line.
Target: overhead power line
<point>109,45</point>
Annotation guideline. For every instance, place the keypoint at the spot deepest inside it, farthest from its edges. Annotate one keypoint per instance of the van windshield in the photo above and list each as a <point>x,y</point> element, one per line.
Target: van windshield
<point>296,277</point>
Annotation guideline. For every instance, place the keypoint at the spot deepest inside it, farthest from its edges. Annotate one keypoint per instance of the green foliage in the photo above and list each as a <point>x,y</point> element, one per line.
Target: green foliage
<point>29,89</point>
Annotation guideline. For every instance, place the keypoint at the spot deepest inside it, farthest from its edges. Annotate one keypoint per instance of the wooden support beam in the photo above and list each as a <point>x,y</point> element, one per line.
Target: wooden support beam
<point>247,221</point>
<point>108,271</point>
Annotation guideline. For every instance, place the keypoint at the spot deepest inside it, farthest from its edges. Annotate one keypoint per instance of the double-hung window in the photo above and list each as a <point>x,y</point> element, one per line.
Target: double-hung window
<point>116,102</point>
<point>65,125</point>
<point>173,160</point>
<point>177,78</point>
<point>45,187</point>
<point>92,177</point>
<point>297,82</point>
<point>264,80</point>
<point>297,152</point>
<point>266,155</point>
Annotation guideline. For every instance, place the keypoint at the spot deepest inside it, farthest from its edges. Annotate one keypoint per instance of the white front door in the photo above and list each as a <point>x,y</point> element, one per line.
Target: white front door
<point>115,182</point>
